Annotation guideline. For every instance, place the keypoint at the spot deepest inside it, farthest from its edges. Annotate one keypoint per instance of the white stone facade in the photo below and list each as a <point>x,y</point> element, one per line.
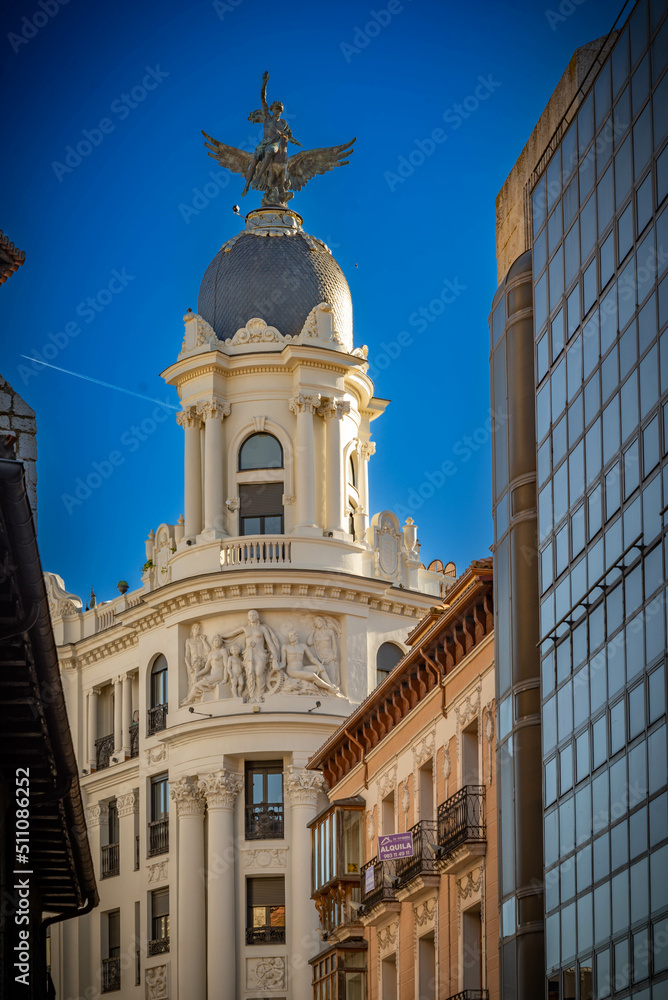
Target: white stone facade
<point>269,639</point>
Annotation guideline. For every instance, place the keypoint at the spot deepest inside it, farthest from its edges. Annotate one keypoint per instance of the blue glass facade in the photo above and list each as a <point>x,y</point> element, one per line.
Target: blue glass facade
<point>600,281</point>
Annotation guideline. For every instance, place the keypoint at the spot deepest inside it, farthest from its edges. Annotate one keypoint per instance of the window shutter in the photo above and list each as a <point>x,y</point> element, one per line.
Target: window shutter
<point>266,891</point>
<point>258,499</point>
<point>160,903</point>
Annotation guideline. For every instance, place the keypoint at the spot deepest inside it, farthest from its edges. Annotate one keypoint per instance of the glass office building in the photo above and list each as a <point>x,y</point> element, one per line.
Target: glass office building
<point>596,255</point>
<point>600,289</point>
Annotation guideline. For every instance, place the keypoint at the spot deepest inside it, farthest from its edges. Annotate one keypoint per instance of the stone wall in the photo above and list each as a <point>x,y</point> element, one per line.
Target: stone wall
<point>19,419</point>
<point>510,207</point>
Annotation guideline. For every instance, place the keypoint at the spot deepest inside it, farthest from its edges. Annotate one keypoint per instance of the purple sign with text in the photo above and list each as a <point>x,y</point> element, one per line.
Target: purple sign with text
<point>395,845</point>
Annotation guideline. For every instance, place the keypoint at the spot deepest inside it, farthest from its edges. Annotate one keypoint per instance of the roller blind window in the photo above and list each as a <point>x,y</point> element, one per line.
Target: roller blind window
<point>261,508</point>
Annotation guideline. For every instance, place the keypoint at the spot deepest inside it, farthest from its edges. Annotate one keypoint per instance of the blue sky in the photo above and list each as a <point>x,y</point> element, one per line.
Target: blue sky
<point>117,239</point>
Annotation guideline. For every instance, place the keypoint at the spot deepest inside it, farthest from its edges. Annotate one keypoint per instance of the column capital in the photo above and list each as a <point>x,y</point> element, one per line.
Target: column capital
<point>220,788</point>
<point>367,449</point>
<point>303,786</point>
<point>214,408</point>
<point>128,804</point>
<point>331,407</point>
<point>95,690</point>
<point>189,416</point>
<point>305,402</point>
<point>98,814</point>
<point>188,798</point>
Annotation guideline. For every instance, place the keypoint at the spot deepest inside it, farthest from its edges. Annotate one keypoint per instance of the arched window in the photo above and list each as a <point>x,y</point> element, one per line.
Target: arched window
<point>352,479</point>
<point>260,451</point>
<point>387,657</point>
<point>157,713</point>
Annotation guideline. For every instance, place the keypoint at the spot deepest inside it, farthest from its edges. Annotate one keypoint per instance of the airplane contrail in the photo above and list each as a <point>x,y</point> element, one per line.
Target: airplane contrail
<point>97,381</point>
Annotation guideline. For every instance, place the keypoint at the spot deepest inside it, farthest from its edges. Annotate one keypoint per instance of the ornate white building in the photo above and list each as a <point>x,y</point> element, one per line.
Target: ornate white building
<point>263,620</point>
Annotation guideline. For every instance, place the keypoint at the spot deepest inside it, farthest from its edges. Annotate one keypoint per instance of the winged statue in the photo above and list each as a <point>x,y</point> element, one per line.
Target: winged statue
<point>269,169</point>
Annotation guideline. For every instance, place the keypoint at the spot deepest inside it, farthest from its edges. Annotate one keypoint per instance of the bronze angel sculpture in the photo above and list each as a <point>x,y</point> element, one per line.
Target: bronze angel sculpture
<point>269,169</point>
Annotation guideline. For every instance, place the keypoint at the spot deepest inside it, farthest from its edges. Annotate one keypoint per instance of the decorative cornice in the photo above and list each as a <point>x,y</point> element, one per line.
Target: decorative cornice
<point>188,797</point>
<point>220,788</point>
<point>303,786</point>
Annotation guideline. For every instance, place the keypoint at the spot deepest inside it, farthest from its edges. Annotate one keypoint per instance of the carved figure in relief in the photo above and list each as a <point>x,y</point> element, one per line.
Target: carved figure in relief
<point>235,670</point>
<point>323,638</point>
<point>197,648</point>
<point>261,651</point>
<point>209,672</point>
<point>292,661</point>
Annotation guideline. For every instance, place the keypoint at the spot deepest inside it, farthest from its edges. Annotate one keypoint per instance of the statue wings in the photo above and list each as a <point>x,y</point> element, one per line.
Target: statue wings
<point>302,167</point>
<point>236,160</point>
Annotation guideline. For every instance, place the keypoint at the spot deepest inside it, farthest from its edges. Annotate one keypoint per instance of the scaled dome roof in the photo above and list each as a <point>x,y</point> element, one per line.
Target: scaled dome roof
<point>275,271</point>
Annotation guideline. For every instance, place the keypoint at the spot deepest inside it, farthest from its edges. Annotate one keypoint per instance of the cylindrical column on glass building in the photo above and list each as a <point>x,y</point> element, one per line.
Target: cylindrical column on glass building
<point>516,629</point>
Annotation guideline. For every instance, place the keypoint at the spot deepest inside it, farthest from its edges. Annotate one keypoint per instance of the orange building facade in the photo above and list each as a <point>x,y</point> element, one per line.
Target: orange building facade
<point>417,756</point>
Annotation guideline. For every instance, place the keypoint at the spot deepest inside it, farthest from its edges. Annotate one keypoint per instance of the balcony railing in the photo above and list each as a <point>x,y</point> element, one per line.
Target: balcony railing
<point>111,975</point>
<point>158,837</point>
<point>264,821</point>
<point>104,747</point>
<point>110,860</point>
<point>265,935</point>
<point>470,995</point>
<point>384,883</point>
<point>157,719</point>
<point>158,946</point>
<point>134,739</point>
<point>424,848</point>
<point>461,818</point>
<point>256,550</point>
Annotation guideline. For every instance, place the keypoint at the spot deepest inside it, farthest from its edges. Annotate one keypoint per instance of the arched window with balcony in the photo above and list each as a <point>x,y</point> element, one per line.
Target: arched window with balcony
<point>387,657</point>
<point>261,503</point>
<point>157,713</point>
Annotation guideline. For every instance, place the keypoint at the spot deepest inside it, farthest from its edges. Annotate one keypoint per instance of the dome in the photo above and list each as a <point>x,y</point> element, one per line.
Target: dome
<point>275,271</point>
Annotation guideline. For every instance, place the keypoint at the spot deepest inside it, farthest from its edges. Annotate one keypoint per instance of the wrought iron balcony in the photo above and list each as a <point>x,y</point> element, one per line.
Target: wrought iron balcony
<point>158,837</point>
<point>158,946</point>
<point>134,739</point>
<point>111,975</point>
<point>265,935</point>
<point>424,851</point>
<point>264,821</point>
<point>470,995</point>
<point>110,860</point>
<point>104,747</point>
<point>157,719</point>
<point>461,821</point>
<point>384,883</point>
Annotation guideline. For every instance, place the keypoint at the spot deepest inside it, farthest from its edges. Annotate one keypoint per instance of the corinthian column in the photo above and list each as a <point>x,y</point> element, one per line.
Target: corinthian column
<point>302,788</point>
<point>213,413</point>
<point>221,789</point>
<point>190,420</point>
<point>304,406</point>
<point>191,929</point>
<point>334,411</point>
